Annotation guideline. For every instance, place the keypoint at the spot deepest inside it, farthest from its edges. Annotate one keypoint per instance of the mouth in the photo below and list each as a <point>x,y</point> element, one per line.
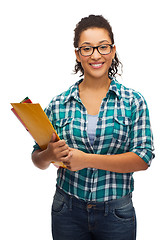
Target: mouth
<point>96,65</point>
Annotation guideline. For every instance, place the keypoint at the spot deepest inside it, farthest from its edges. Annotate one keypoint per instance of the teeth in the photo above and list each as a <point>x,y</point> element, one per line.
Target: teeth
<point>96,65</point>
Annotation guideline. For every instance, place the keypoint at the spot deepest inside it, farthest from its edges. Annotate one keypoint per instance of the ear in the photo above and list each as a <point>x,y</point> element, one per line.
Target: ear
<point>77,56</point>
<point>114,51</point>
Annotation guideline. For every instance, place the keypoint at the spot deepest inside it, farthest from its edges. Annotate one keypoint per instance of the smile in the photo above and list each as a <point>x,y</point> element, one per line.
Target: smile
<point>96,65</point>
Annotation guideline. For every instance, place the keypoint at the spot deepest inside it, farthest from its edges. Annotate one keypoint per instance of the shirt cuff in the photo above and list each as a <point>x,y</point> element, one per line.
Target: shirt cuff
<point>145,154</point>
<point>36,147</point>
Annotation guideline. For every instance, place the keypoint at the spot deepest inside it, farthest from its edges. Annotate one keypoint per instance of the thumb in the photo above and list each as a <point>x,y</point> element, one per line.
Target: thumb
<point>53,138</point>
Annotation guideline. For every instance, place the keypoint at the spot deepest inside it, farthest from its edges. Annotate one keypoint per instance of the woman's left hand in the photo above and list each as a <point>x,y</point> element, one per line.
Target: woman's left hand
<point>77,160</point>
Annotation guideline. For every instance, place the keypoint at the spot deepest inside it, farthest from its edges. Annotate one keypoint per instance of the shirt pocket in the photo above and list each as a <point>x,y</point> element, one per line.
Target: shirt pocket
<point>122,127</point>
<point>63,127</point>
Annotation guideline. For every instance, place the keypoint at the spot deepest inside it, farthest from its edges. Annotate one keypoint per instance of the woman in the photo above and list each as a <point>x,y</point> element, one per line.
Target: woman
<point>106,136</point>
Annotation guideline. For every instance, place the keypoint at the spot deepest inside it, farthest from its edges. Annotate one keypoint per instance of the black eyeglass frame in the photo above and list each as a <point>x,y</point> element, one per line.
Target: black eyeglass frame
<point>93,48</point>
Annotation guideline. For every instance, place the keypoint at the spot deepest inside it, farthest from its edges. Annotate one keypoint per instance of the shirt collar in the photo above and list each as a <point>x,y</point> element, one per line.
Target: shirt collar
<point>114,87</point>
<point>73,91</point>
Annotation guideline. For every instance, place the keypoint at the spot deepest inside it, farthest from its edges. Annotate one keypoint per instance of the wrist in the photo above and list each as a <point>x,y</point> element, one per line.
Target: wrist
<point>44,156</point>
<point>89,160</point>
<point>95,161</point>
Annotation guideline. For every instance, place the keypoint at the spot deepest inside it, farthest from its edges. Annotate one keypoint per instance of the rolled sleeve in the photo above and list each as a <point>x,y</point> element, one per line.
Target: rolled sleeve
<point>35,147</point>
<point>141,137</point>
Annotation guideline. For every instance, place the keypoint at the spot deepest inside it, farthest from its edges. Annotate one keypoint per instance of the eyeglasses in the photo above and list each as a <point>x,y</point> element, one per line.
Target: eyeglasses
<point>103,49</point>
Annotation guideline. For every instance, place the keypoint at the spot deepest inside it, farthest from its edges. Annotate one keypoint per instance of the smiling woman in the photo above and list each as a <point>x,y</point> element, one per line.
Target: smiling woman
<point>106,137</point>
<point>95,52</point>
<point>100,23</point>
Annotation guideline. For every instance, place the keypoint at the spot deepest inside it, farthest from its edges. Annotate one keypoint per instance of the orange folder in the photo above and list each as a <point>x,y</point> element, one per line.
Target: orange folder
<point>36,122</point>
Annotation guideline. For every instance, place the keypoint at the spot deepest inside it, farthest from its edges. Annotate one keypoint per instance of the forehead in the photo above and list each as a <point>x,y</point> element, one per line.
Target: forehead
<point>94,36</point>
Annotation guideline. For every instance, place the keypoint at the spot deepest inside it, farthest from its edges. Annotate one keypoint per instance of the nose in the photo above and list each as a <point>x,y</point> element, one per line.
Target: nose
<point>95,54</point>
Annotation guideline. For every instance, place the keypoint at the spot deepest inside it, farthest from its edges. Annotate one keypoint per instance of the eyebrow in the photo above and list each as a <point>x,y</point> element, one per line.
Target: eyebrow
<point>90,43</point>
<point>104,41</point>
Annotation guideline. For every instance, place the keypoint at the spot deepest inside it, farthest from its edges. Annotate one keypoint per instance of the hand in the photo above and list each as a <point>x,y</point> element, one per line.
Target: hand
<point>57,151</point>
<point>76,160</point>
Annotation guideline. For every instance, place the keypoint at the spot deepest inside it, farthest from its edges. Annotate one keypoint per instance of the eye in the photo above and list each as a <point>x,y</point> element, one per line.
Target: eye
<point>86,49</point>
<point>103,47</point>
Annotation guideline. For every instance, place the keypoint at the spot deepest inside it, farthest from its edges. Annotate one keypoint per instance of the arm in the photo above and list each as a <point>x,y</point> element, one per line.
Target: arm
<point>121,163</point>
<point>40,159</point>
<point>56,151</point>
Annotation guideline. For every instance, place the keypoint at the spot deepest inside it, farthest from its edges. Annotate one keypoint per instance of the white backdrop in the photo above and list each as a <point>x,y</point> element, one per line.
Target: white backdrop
<point>37,60</point>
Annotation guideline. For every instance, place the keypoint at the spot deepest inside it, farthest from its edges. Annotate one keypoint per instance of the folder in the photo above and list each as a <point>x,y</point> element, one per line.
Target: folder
<point>36,122</point>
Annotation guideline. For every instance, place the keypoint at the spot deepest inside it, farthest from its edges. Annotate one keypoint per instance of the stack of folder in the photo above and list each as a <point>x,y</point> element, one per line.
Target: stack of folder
<point>36,122</point>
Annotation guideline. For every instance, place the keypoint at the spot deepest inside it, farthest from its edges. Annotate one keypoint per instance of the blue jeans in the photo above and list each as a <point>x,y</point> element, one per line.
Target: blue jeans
<point>74,219</point>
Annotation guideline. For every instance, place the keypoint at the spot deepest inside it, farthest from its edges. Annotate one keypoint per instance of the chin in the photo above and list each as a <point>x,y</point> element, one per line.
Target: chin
<point>98,75</point>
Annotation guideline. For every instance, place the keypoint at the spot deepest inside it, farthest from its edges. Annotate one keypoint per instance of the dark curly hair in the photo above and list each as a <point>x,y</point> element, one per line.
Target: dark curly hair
<point>97,21</point>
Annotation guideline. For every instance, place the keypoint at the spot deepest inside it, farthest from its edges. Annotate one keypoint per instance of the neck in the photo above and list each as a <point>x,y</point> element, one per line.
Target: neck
<point>95,84</point>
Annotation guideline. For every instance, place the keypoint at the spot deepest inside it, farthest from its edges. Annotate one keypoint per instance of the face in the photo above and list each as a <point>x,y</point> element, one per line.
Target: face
<point>96,65</point>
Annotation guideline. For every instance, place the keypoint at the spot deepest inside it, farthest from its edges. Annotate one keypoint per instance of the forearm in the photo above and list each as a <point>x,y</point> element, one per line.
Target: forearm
<point>40,159</point>
<point>121,163</point>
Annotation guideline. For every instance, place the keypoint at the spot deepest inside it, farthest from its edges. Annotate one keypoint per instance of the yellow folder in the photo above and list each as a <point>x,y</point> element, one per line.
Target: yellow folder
<point>37,123</point>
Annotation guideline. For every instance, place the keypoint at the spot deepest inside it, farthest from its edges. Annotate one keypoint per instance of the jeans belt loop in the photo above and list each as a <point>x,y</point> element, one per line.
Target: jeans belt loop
<point>106,208</point>
<point>70,203</point>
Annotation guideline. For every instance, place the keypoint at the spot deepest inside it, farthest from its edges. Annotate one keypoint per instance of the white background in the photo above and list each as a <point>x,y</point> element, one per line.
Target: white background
<point>37,60</point>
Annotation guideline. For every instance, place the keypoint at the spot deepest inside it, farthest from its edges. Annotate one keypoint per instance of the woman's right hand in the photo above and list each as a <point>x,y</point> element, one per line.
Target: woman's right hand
<point>55,152</point>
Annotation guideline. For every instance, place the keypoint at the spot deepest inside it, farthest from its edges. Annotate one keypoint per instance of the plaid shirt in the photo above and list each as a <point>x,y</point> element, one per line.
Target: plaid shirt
<point>123,126</point>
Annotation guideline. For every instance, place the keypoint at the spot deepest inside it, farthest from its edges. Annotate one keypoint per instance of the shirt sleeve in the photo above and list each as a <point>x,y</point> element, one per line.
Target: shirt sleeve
<point>141,135</point>
<point>48,112</point>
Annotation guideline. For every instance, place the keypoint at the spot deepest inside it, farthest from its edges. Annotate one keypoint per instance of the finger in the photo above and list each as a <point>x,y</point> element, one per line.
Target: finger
<point>63,148</point>
<point>63,153</point>
<point>61,143</point>
<point>67,163</point>
<point>68,167</point>
<point>53,138</point>
<point>67,158</point>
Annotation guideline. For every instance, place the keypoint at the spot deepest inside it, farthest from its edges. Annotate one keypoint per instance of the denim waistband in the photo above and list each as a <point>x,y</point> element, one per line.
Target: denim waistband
<point>107,205</point>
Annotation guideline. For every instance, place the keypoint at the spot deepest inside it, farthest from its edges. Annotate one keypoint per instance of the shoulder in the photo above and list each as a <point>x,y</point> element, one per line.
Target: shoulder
<point>66,95</point>
<point>129,94</point>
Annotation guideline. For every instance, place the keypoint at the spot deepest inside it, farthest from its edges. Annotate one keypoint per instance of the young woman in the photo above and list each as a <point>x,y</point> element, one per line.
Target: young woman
<point>105,136</point>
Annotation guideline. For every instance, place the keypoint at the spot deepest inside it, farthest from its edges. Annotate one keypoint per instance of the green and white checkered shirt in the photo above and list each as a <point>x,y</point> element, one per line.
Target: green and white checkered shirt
<point>123,125</point>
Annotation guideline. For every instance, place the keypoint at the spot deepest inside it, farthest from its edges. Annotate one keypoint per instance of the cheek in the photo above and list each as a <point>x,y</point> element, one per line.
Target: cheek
<point>84,61</point>
<point>109,59</point>
<point>109,62</point>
